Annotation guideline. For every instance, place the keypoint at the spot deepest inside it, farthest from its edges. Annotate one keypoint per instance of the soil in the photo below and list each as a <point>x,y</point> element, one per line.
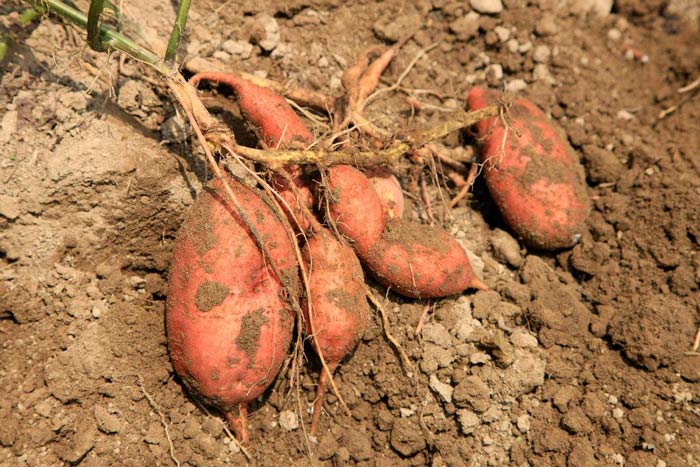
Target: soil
<point>580,357</point>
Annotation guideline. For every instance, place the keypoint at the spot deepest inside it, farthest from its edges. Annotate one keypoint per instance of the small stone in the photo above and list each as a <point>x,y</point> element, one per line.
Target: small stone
<point>614,34</point>
<point>241,49</point>
<point>602,8</point>
<point>288,420</point>
<point>468,421</point>
<point>541,54</point>
<point>618,413</point>
<point>406,412</point>
<point>541,73</point>
<point>547,25</point>
<point>619,459</point>
<point>444,390</point>
<point>465,27</point>
<point>221,56</point>
<point>487,7</point>
<point>9,207</point>
<point>523,423</point>
<point>525,47</point>
<point>513,45</point>
<point>506,248</point>
<point>265,32</point>
<point>96,311</point>
<point>502,33</point>
<point>494,74</point>
<point>516,85</point>
<point>625,115</point>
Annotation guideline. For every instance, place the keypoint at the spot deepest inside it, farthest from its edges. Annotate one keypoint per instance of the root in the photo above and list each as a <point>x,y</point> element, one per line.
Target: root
<point>407,365</point>
<point>155,407</point>
<point>468,184</point>
<point>421,320</point>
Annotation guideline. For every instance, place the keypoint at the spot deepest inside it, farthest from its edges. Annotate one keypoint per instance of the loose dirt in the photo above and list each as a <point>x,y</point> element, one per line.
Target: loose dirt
<point>97,172</point>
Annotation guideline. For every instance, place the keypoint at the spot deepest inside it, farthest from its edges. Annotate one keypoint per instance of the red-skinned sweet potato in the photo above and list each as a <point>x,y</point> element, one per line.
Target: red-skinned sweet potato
<point>420,261</point>
<point>389,190</point>
<point>354,206</point>
<point>537,182</point>
<point>228,314</point>
<point>340,310</point>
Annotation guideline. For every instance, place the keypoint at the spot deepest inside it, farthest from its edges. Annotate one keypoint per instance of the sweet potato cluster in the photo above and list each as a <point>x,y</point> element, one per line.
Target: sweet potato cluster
<point>245,264</point>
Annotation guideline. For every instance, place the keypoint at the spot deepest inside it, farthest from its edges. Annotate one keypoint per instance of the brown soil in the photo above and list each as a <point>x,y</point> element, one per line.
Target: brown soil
<point>96,175</point>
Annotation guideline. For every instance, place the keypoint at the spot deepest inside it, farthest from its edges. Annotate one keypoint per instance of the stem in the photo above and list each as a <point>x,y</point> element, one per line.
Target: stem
<point>93,25</point>
<point>178,29</point>
<point>390,155</point>
<point>111,39</point>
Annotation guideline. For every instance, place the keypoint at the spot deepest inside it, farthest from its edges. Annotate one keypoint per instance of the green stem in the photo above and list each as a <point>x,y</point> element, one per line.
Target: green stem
<point>178,29</point>
<point>93,25</point>
<point>111,39</point>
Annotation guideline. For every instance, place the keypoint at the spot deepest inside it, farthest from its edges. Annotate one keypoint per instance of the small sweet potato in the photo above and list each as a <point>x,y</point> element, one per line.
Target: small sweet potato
<point>277,122</point>
<point>279,127</point>
<point>340,310</point>
<point>389,190</point>
<point>228,314</point>
<point>420,261</point>
<point>537,181</point>
<point>354,206</point>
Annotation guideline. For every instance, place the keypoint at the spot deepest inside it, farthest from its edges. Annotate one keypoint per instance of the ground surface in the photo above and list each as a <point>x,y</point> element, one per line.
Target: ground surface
<point>95,179</point>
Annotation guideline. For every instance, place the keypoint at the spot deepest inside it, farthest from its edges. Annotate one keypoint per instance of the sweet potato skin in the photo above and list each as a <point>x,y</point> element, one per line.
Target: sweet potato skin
<point>538,183</point>
<point>420,261</point>
<point>354,206</point>
<point>338,296</point>
<point>389,190</point>
<point>228,316</point>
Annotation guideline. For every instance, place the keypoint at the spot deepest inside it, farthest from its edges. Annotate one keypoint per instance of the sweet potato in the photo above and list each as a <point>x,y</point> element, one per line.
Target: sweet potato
<point>420,261</point>
<point>537,181</point>
<point>277,122</point>
<point>228,314</point>
<point>279,127</point>
<point>354,206</point>
<point>389,190</point>
<point>340,310</point>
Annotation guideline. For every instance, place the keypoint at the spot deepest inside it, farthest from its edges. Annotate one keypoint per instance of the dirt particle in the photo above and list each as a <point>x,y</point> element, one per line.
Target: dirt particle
<point>249,338</point>
<point>407,438</point>
<point>210,294</point>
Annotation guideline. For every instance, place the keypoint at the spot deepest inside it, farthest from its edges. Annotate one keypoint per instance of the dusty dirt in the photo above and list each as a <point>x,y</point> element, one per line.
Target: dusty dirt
<point>96,173</point>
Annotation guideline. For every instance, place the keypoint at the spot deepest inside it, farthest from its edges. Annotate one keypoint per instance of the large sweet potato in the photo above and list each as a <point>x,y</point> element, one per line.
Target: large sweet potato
<point>340,310</point>
<point>420,261</point>
<point>228,314</point>
<point>537,181</point>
